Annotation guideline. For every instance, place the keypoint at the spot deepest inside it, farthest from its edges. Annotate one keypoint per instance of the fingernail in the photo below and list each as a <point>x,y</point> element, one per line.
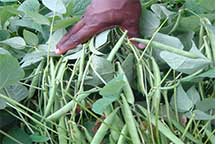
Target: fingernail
<point>57,51</point>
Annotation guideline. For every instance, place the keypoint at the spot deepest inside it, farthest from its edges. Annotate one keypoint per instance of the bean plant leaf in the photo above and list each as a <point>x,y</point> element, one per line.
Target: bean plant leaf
<point>110,92</point>
<point>10,71</point>
<point>15,42</point>
<point>101,104</point>
<point>38,18</point>
<point>149,23</point>
<point>161,11</point>
<point>39,138</point>
<point>79,7</point>
<point>183,102</point>
<point>113,87</point>
<point>30,38</point>
<point>17,91</point>
<point>185,64</point>
<point>199,115</point>
<point>8,0</point>
<point>101,38</point>
<point>193,95</point>
<point>206,104</point>
<point>29,5</point>
<point>55,5</point>
<point>103,67</point>
<point>19,134</point>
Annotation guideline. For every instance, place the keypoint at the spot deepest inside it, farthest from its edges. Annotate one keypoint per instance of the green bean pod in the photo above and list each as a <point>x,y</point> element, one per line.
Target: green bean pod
<point>116,47</point>
<point>35,79</point>
<point>127,88</point>
<point>62,132</point>
<point>122,139</point>
<point>130,121</point>
<point>101,132</point>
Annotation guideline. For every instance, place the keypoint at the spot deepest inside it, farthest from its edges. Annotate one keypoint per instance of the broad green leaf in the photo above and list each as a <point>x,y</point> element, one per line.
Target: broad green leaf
<point>199,115</point>
<point>38,18</point>
<point>4,34</point>
<point>28,23</point>
<point>101,104</point>
<point>8,0</point>
<point>183,102</point>
<point>192,23</point>
<point>167,40</point>
<point>5,119</point>
<point>206,104</point>
<point>161,11</point>
<point>19,134</point>
<point>103,67</point>
<point>29,5</point>
<point>79,6</point>
<point>193,94</point>
<point>209,73</point>
<point>15,42</point>
<point>113,87</point>
<point>6,12</point>
<point>64,23</point>
<point>39,138</point>
<point>149,23</point>
<point>200,6</point>
<point>35,56</point>
<point>55,6</point>
<point>128,66</point>
<point>186,39</point>
<point>17,91</point>
<point>4,51</point>
<point>30,38</point>
<point>2,105</point>
<point>185,64</point>
<point>101,38</point>
<point>10,71</point>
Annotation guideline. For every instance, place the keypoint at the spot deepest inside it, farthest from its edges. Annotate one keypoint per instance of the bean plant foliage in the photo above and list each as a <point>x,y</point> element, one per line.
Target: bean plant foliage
<point>106,90</point>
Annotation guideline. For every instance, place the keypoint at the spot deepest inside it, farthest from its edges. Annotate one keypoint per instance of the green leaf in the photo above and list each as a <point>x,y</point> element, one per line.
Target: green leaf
<point>206,104</point>
<point>101,104</point>
<point>30,38</point>
<point>193,95</point>
<point>38,138</point>
<point>103,67</point>
<point>15,42</point>
<point>38,18</point>
<point>27,22</point>
<point>192,23</point>
<point>17,92</point>
<point>4,35</point>
<point>161,11</point>
<point>18,134</point>
<point>209,73</point>
<point>101,38</point>
<point>35,56</point>
<point>29,5</point>
<point>8,0</point>
<point>185,64</point>
<point>55,5</point>
<point>199,115</point>
<point>79,7</point>
<point>10,71</point>
<point>149,23</point>
<point>64,23</point>
<point>183,102</point>
<point>113,87</point>
<point>4,51</point>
